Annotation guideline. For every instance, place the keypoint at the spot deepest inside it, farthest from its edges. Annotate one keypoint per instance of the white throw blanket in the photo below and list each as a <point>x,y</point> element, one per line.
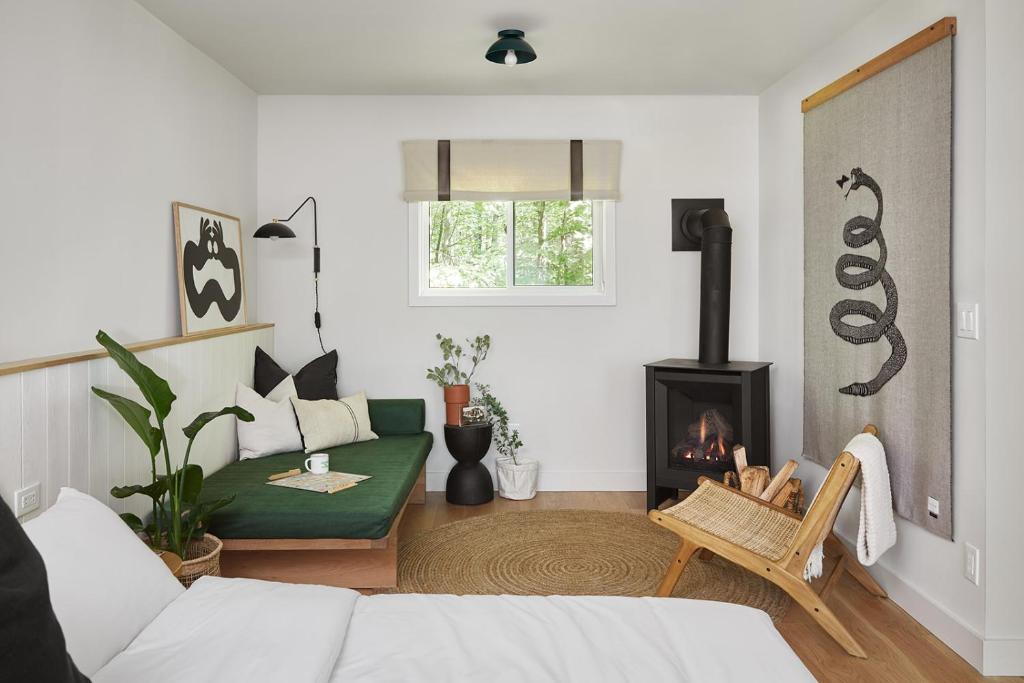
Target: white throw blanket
<point>877,531</point>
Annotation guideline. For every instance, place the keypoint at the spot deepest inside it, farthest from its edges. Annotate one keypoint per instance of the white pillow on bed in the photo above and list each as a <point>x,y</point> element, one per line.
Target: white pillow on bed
<point>105,584</point>
<point>274,429</point>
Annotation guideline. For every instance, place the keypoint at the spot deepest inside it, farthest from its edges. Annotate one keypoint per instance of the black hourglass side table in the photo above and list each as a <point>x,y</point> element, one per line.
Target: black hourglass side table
<point>469,482</point>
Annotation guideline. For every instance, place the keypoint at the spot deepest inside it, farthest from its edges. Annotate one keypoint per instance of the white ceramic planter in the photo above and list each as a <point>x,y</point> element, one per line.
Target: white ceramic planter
<point>517,482</point>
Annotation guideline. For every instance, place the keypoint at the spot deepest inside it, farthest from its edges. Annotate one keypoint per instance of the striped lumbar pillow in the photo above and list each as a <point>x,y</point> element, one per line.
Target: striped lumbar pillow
<point>328,423</point>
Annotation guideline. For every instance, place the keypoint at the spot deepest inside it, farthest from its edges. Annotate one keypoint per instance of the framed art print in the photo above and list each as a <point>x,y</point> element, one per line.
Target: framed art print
<point>211,277</point>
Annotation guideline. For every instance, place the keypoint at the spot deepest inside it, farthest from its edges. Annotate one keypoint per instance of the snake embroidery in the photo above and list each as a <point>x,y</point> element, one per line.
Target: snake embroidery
<point>866,271</point>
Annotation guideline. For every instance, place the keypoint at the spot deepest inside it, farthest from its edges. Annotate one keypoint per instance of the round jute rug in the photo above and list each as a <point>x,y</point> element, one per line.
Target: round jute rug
<point>569,552</point>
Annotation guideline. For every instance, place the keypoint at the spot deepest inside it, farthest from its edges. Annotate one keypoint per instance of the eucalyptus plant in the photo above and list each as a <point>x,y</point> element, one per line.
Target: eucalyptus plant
<point>506,439</point>
<point>178,515</point>
<point>451,372</point>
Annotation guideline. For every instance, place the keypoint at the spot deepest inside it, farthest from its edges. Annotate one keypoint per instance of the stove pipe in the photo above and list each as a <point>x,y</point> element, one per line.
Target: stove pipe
<point>711,228</point>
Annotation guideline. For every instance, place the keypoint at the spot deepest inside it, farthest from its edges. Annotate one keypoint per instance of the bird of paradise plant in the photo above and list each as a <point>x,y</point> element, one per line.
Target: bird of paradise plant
<point>178,515</point>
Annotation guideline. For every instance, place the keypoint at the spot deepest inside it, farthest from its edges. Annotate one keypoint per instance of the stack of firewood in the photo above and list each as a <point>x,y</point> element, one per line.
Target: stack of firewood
<point>782,490</point>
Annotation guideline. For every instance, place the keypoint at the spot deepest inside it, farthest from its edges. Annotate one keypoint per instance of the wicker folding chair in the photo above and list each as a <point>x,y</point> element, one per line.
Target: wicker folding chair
<point>767,540</point>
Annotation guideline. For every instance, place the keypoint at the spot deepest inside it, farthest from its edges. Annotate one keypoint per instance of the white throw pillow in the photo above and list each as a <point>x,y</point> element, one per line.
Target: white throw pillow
<point>283,391</point>
<point>105,584</point>
<point>330,423</point>
<point>273,429</point>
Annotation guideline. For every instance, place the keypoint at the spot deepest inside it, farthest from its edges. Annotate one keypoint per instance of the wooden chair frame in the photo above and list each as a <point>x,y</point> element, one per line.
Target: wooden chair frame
<point>786,572</point>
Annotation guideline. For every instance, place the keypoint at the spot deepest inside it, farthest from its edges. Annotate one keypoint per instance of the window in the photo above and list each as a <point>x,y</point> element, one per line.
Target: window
<point>493,253</point>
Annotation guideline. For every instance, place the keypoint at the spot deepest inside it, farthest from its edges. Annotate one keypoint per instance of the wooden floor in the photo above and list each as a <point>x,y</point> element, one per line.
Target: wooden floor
<point>899,649</point>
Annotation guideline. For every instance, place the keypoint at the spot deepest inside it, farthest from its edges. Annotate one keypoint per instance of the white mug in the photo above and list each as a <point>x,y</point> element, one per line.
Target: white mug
<point>318,463</point>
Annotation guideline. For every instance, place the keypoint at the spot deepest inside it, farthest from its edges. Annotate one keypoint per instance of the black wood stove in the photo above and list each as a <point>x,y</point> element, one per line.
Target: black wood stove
<point>699,410</point>
<point>697,413</point>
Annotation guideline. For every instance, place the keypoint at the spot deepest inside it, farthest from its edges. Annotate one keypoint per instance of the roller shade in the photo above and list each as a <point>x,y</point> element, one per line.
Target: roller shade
<point>502,170</point>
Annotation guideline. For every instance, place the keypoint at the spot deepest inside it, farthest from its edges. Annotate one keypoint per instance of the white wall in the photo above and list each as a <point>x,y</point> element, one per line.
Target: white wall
<point>1004,328</point>
<point>571,377</point>
<point>108,116</point>
<point>923,572</point>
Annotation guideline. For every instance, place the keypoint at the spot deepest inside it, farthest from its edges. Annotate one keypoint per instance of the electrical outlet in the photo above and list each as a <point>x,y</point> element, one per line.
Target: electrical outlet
<point>26,500</point>
<point>972,563</point>
<point>933,507</point>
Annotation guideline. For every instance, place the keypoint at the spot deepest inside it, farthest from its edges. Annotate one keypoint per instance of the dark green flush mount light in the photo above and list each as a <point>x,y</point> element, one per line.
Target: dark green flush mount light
<point>511,49</point>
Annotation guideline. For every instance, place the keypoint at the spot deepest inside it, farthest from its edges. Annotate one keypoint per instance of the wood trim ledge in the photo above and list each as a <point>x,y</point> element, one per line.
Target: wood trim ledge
<point>18,366</point>
<point>915,43</point>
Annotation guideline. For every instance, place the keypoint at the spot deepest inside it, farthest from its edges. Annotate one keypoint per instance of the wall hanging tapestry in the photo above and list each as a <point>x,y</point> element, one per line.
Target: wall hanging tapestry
<point>877,173</point>
<point>211,289</point>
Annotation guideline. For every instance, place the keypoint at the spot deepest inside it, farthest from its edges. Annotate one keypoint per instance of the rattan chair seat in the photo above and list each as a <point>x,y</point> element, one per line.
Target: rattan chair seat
<point>737,519</point>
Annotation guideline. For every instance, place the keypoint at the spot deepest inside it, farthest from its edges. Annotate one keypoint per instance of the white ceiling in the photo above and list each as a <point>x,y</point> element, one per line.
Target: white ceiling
<point>437,46</point>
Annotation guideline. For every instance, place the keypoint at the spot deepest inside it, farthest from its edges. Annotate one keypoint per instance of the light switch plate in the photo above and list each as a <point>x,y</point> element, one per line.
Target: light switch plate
<point>972,564</point>
<point>26,500</point>
<point>968,320</point>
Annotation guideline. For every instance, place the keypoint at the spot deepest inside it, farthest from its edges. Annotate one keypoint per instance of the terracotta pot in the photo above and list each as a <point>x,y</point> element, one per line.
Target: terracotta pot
<point>456,397</point>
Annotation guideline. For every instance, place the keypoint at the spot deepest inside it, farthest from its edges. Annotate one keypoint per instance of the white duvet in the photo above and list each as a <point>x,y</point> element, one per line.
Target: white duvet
<point>224,630</point>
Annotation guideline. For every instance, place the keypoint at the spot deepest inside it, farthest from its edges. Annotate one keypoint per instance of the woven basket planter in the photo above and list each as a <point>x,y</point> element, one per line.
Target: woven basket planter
<point>202,558</point>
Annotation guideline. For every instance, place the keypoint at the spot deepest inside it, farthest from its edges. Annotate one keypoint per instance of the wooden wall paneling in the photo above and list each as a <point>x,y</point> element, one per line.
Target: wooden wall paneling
<point>10,437</point>
<point>20,366</point>
<point>33,433</point>
<point>58,462</point>
<point>79,442</point>
<point>98,428</point>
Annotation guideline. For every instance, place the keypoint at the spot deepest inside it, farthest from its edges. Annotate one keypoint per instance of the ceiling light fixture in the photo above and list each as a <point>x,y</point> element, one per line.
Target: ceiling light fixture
<point>510,48</point>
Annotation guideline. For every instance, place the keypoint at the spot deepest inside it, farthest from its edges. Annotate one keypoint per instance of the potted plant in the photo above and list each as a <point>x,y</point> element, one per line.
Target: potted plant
<point>517,476</point>
<point>451,377</point>
<point>179,520</point>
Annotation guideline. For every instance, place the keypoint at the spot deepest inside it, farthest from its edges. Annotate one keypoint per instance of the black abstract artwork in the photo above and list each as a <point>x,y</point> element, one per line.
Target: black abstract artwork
<point>196,256</point>
<point>857,271</point>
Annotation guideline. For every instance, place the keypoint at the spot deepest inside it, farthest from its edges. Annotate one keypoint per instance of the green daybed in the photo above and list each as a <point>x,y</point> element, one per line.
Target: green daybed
<point>344,539</point>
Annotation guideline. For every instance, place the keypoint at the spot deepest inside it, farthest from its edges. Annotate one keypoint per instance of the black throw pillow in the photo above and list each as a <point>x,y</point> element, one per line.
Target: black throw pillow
<point>317,380</point>
<point>32,646</point>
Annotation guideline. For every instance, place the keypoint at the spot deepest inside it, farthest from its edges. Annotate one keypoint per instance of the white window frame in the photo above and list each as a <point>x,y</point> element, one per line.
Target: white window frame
<point>601,293</point>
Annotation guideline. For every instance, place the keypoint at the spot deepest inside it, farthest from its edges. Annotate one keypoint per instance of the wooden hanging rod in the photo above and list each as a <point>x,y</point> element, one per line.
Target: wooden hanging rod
<point>894,55</point>
<point>17,366</point>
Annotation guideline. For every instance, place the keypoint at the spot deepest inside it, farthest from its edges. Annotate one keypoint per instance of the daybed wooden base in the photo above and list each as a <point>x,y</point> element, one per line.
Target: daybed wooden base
<point>346,562</point>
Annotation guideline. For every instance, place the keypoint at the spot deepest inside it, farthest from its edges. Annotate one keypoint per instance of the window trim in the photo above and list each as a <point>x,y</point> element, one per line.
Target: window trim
<point>601,293</point>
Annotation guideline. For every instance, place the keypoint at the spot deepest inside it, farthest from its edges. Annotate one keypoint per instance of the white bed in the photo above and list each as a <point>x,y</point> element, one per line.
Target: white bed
<point>124,621</point>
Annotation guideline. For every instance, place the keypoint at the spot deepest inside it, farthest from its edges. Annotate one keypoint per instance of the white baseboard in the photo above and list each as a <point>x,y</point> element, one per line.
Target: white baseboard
<point>1003,657</point>
<point>561,480</point>
<point>947,627</point>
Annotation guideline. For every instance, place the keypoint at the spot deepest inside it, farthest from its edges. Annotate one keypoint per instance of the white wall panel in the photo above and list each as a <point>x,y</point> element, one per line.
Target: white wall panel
<point>55,431</point>
<point>57,418</point>
<point>10,436</point>
<point>79,443</point>
<point>33,432</point>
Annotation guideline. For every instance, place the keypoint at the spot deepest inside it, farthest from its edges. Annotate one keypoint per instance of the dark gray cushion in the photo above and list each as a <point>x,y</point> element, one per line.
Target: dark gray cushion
<point>32,644</point>
<point>317,380</point>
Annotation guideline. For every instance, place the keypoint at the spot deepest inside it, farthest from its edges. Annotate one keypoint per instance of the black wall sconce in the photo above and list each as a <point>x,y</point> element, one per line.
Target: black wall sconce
<point>277,229</point>
<point>703,225</point>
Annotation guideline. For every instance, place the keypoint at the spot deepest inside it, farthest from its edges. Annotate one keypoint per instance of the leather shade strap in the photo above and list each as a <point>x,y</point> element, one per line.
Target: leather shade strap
<point>444,170</point>
<point>576,170</point>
